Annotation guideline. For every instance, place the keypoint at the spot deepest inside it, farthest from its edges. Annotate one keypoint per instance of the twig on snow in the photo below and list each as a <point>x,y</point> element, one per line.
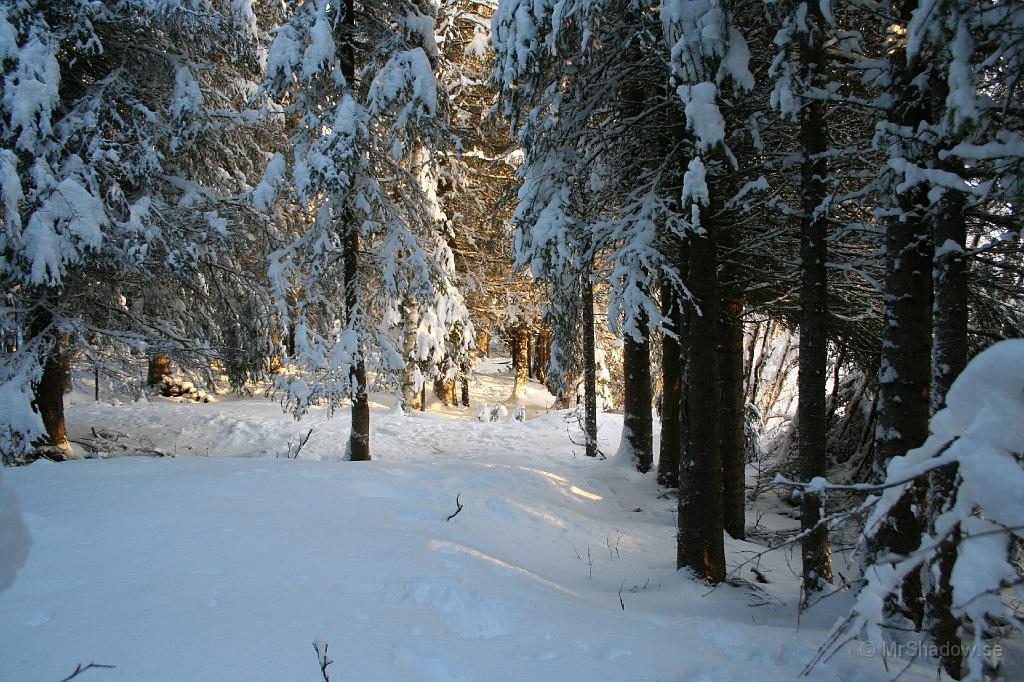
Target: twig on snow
<point>79,669</point>
<point>457,504</point>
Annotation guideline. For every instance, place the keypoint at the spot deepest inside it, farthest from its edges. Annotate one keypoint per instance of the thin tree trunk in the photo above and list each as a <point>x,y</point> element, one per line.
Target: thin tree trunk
<point>949,357</point>
<point>589,366</point>
<point>700,546</point>
<point>359,437</point>
<point>732,436</point>
<point>637,427</point>
<point>683,255</point>
<point>671,387</point>
<point>815,552</point>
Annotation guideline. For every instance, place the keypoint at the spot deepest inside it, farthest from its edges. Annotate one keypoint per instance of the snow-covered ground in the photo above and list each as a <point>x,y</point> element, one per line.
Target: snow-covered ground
<point>214,567</point>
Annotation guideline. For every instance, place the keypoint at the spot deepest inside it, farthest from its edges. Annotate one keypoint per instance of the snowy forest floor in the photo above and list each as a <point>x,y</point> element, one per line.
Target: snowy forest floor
<point>214,567</point>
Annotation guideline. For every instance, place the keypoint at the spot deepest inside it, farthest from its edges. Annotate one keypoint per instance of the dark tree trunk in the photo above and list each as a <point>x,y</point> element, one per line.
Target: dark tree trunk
<point>671,387</point>
<point>637,427</point>
<point>949,357</point>
<point>732,436</point>
<point>49,392</point>
<point>905,370</point>
<point>159,367</point>
<point>700,545</point>
<point>359,438</point>
<point>815,551</point>
<point>589,366</point>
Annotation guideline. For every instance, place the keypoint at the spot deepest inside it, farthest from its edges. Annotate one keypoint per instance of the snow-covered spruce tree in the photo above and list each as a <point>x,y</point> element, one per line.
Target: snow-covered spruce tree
<point>364,115</point>
<point>123,151</point>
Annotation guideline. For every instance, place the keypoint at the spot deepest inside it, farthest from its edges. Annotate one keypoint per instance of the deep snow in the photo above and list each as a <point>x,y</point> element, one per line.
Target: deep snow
<point>220,568</point>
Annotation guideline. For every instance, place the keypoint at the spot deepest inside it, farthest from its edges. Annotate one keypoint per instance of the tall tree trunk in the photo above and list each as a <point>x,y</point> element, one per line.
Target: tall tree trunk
<point>637,427</point>
<point>949,357</point>
<point>815,552</point>
<point>49,391</point>
<point>359,437</point>
<point>905,370</point>
<point>159,367</point>
<point>589,365</point>
<point>671,386</point>
<point>732,435</point>
<point>700,545</point>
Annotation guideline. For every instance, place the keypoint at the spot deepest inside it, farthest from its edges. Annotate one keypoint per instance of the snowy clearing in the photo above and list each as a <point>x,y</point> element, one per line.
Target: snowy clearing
<point>220,568</point>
